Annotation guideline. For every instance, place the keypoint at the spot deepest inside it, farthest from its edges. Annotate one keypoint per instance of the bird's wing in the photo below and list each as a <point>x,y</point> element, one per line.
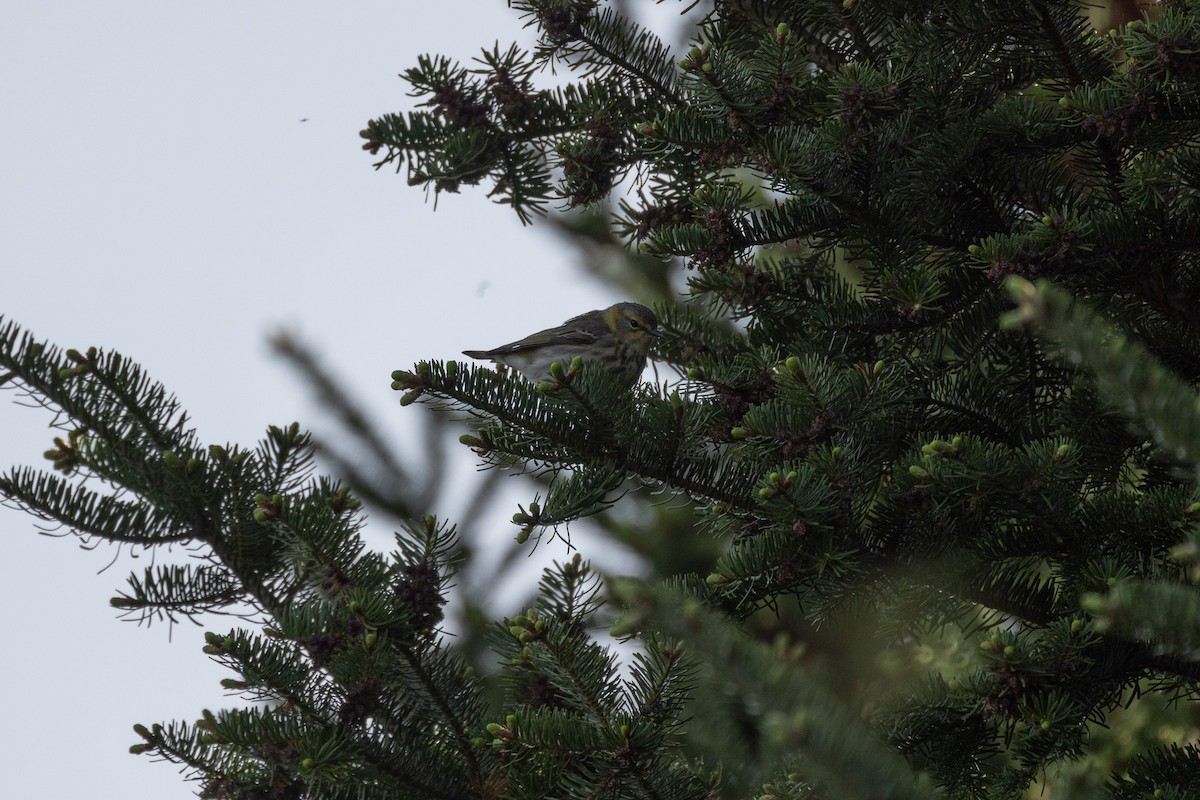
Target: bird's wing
<point>565,334</point>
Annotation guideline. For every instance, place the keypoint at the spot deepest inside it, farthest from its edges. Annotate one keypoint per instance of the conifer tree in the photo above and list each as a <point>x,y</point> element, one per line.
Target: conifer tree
<point>937,404</point>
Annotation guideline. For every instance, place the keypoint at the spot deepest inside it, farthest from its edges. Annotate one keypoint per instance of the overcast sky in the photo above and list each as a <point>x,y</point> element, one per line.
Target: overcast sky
<point>160,195</point>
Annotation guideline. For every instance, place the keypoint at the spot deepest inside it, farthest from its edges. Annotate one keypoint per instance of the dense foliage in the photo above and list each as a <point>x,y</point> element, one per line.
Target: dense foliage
<point>939,410</point>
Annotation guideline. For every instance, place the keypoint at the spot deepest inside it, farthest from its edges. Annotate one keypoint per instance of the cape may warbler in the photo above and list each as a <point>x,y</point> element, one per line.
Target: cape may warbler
<point>617,338</point>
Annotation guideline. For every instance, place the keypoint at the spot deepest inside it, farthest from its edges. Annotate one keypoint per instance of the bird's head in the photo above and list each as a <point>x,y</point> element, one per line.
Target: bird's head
<point>633,324</point>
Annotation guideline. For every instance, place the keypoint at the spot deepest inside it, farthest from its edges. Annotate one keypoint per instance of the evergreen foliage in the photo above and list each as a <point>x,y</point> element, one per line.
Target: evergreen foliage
<point>940,408</point>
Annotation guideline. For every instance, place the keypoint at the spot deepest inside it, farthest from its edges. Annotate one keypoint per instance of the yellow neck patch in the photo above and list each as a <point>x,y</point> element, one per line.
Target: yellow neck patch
<point>612,316</point>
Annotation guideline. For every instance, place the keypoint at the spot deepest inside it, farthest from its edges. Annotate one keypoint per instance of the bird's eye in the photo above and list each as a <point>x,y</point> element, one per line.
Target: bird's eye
<point>633,323</point>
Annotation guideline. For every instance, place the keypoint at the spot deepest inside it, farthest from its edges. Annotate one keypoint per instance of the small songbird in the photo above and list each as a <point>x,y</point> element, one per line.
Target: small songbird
<point>617,338</point>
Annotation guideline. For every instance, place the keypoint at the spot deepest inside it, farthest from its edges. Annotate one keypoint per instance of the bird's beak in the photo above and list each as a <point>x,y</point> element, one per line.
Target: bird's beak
<point>657,334</point>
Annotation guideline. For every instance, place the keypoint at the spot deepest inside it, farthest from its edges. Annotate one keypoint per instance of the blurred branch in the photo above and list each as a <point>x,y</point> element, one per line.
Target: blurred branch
<point>373,472</point>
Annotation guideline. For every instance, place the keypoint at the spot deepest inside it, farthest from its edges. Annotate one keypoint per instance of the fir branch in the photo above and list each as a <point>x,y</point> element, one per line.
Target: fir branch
<point>520,407</point>
<point>1124,371</point>
<point>1160,613</point>
<point>623,44</point>
<point>431,669</point>
<point>90,514</point>
<point>802,716</point>
<point>187,590</point>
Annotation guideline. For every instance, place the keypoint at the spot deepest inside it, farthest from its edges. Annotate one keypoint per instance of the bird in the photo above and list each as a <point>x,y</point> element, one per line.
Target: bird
<point>618,338</point>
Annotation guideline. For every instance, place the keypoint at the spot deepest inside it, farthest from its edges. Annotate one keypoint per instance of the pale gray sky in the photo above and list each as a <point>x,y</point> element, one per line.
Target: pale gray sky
<point>159,195</point>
